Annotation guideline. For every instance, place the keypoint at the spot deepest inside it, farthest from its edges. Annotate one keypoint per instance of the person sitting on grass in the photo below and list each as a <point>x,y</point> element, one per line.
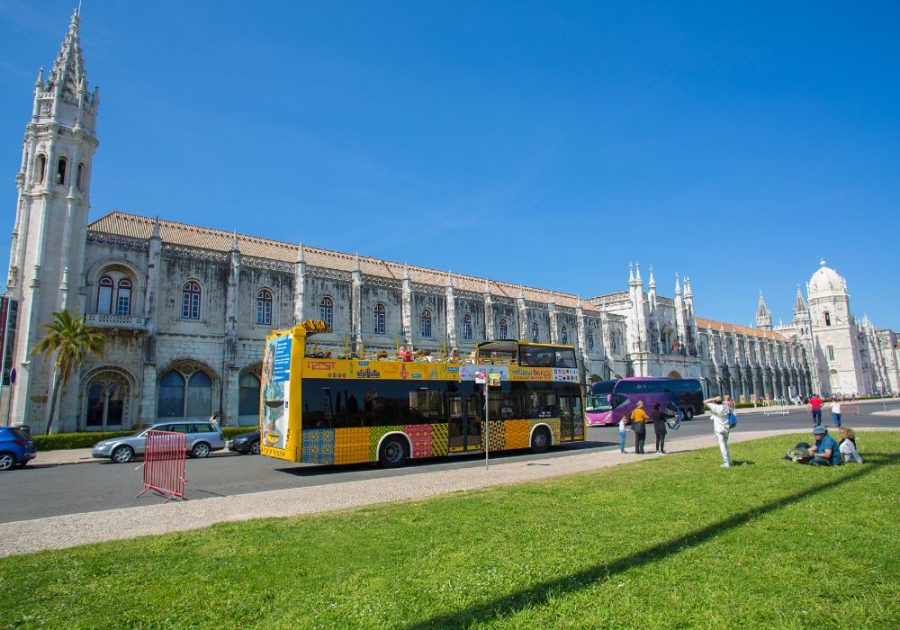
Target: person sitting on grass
<point>825,451</point>
<point>847,447</point>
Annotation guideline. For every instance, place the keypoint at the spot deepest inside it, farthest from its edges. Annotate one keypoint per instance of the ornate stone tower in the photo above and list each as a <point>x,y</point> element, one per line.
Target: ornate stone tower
<point>763,316</point>
<point>47,252</point>
<point>834,333</point>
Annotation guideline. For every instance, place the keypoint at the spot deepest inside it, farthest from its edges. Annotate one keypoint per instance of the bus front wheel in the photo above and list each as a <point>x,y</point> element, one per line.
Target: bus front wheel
<point>688,414</point>
<point>540,440</point>
<point>392,453</point>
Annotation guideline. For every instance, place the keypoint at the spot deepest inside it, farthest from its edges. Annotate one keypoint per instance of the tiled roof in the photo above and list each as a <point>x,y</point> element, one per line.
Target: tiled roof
<point>740,330</point>
<point>137,226</point>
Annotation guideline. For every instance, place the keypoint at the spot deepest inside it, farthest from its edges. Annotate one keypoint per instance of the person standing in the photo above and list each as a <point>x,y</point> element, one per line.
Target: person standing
<point>659,417</point>
<point>815,404</point>
<point>836,413</point>
<point>639,420</point>
<point>623,424</point>
<point>719,413</point>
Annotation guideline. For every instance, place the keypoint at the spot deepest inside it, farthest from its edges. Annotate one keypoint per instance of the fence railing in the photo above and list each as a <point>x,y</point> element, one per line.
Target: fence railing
<point>164,459</point>
<point>776,408</point>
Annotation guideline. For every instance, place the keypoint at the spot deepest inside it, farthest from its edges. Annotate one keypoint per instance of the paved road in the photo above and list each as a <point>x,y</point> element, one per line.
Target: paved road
<point>40,492</point>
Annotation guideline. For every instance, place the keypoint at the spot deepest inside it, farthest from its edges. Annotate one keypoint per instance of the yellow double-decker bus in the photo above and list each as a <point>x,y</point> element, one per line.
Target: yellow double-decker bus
<point>321,410</point>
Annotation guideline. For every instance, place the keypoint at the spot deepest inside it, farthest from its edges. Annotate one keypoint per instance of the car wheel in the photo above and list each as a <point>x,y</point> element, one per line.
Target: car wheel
<point>392,453</point>
<point>122,454</point>
<point>23,463</point>
<point>688,414</point>
<point>254,448</point>
<point>540,440</point>
<point>200,450</point>
<point>7,461</point>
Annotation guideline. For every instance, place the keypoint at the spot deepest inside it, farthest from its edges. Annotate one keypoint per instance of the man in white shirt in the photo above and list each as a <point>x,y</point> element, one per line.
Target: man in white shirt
<point>719,413</point>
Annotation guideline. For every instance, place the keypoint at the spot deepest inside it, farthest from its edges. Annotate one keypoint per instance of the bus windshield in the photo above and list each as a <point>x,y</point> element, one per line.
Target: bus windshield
<point>595,403</point>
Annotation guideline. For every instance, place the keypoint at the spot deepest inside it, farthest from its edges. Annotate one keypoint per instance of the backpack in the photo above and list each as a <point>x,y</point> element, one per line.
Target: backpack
<point>732,420</point>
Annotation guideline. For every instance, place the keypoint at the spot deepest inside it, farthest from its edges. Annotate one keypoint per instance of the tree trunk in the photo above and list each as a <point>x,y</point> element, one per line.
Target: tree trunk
<point>53,397</point>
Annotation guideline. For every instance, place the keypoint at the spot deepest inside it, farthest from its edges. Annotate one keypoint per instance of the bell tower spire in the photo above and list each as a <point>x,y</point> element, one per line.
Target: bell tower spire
<point>48,240</point>
<point>763,316</point>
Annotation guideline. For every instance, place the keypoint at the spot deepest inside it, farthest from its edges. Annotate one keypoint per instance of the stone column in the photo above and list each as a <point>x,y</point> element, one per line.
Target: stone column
<point>147,413</point>
<point>356,306</point>
<point>554,322</point>
<point>451,312</point>
<point>523,315</point>
<point>300,286</point>
<point>406,307</point>
<point>489,333</point>
<point>230,369</point>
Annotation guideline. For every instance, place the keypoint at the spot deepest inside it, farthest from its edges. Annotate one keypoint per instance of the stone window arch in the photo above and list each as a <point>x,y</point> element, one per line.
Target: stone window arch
<point>467,326</point>
<point>107,396</point>
<point>61,167</point>
<point>123,297</point>
<point>190,300</point>
<point>185,391</point>
<point>590,341</point>
<point>40,168</point>
<point>830,353</point>
<point>564,335</point>
<point>79,180</point>
<point>104,295</point>
<point>326,311</point>
<point>264,307</point>
<point>535,332</point>
<point>827,318</point>
<point>379,314</point>
<point>503,329</point>
<point>425,324</point>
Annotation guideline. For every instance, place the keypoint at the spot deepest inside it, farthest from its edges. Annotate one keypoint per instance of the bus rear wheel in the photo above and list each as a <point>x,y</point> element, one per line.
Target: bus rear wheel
<point>392,453</point>
<point>540,440</point>
<point>688,414</point>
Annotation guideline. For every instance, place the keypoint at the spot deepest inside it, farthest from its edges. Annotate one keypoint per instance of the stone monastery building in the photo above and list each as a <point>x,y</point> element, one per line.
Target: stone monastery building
<point>186,308</point>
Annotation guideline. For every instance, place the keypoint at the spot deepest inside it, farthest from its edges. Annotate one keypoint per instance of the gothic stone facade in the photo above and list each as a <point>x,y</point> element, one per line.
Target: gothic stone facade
<point>186,309</point>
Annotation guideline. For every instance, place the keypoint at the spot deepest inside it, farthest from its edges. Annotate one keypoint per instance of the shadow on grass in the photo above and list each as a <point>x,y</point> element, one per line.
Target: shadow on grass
<point>540,594</point>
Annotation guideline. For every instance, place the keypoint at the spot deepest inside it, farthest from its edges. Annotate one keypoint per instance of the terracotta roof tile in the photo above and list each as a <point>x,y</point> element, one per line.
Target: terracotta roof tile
<point>137,226</point>
<point>741,330</point>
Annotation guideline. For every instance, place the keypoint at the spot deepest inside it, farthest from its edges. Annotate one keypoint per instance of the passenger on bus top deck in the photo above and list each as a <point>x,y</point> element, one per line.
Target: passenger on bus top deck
<point>454,356</point>
<point>404,355</point>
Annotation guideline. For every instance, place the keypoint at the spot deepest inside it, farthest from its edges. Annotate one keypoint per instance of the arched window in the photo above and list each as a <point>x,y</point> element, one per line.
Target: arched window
<point>79,182</point>
<point>831,353</point>
<point>467,326</point>
<point>185,396</point>
<point>123,297</point>
<point>326,311</point>
<point>564,336</point>
<point>590,341</point>
<point>535,332</point>
<point>503,329</point>
<point>104,295</point>
<point>827,318</point>
<point>190,300</point>
<point>40,168</point>
<point>264,307</point>
<point>61,166</point>
<point>378,319</point>
<point>425,324</point>
<point>94,417</point>
<point>248,395</point>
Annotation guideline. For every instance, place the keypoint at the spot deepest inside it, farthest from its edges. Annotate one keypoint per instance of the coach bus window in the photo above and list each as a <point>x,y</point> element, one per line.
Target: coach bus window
<point>565,358</point>
<point>537,356</point>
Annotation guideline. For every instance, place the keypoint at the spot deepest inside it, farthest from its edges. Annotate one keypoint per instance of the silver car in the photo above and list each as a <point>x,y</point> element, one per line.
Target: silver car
<point>202,439</point>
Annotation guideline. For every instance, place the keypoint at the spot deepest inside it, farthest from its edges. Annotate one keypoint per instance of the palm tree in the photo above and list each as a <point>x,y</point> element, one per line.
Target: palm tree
<point>67,342</point>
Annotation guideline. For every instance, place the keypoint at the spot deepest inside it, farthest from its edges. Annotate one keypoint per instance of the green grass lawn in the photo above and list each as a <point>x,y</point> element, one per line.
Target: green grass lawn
<point>665,542</point>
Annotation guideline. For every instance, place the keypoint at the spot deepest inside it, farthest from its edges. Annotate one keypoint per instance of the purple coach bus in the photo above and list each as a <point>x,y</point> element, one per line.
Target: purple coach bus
<point>610,400</point>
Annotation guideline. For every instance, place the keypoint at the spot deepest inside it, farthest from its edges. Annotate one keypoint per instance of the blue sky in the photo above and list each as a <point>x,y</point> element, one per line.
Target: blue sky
<point>544,144</point>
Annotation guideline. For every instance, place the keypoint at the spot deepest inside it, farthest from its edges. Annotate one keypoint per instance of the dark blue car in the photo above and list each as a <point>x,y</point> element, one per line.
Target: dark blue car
<point>16,447</point>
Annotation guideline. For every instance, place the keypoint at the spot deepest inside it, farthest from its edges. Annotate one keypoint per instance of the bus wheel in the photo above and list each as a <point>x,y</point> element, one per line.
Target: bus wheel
<point>540,440</point>
<point>688,414</point>
<point>392,453</point>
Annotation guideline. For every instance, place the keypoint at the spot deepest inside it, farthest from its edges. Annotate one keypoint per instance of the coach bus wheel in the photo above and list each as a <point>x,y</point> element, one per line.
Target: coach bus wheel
<point>392,453</point>
<point>688,414</point>
<point>540,441</point>
<point>122,455</point>
<point>200,450</point>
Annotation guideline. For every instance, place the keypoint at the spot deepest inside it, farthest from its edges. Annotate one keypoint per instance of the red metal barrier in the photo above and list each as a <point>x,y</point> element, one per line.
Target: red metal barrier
<point>849,409</point>
<point>164,459</point>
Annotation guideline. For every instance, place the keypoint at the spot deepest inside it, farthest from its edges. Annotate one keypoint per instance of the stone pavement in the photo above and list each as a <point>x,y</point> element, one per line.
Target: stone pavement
<point>83,456</point>
<point>60,532</point>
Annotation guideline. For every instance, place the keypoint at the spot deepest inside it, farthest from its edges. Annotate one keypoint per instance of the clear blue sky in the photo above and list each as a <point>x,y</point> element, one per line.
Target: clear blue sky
<point>534,143</point>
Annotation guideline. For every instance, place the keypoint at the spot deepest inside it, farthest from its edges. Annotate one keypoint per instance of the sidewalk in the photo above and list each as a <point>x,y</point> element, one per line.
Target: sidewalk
<point>61,457</point>
<point>59,532</point>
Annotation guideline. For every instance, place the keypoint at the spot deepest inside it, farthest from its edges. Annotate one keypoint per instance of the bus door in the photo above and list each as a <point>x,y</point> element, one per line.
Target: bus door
<point>464,428</point>
<point>571,417</point>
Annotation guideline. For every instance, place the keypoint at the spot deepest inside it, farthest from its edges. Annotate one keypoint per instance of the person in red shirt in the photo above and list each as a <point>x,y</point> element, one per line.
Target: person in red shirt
<point>815,403</point>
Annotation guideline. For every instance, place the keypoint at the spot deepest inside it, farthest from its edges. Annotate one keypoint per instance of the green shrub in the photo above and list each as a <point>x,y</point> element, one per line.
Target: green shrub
<point>230,432</point>
<point>75,440</point>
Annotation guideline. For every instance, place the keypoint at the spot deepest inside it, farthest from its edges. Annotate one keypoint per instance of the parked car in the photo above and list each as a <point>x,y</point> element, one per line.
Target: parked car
<point>16,448</point>
<point>245,443</point>
<point>202,439</point>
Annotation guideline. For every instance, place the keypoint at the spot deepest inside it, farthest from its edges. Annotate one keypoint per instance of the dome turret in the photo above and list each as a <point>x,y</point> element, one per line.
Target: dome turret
<point>826,281</point>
